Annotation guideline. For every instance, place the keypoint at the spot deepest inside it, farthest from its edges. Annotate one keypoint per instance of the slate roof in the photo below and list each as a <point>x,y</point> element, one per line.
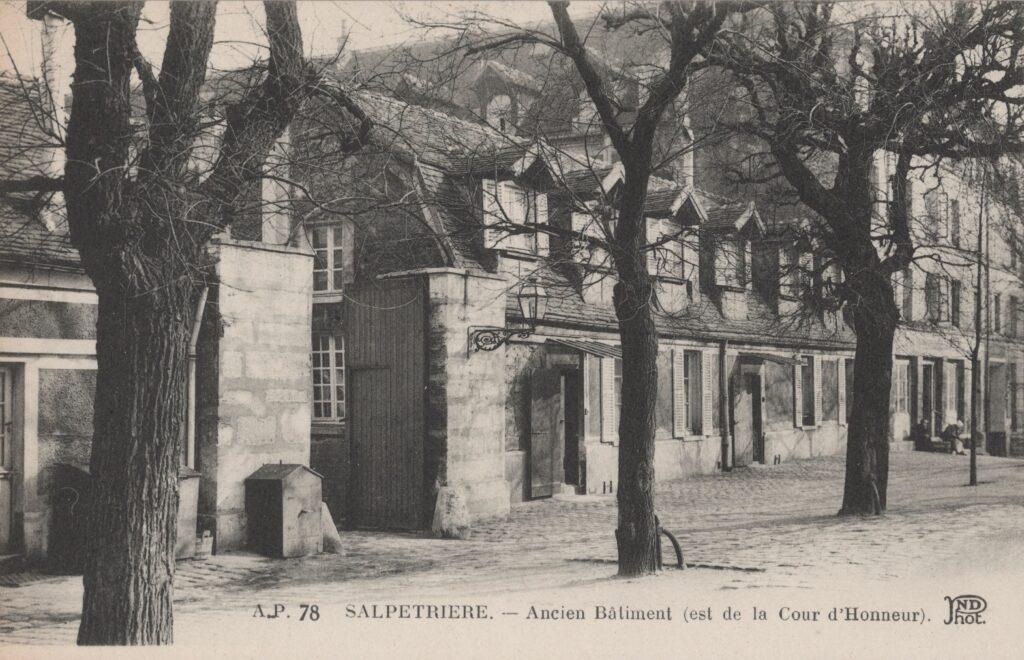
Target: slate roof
<point>24,236</point>
<point>703,320</point>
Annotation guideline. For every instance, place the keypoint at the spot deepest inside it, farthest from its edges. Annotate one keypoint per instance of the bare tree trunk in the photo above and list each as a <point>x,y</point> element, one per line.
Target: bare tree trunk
<point>637,534</point>
<point>142,351</point>
<point>867,445</point>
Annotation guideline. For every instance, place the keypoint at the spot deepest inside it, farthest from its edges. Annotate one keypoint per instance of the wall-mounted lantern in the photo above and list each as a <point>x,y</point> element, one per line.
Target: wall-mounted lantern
<point>533,302</point>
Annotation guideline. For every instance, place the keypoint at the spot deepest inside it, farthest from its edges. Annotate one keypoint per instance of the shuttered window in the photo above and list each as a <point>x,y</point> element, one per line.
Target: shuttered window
<point>829,390</point>
<point>687,393</point>
<point>731,262</point>
<point>805,395</point>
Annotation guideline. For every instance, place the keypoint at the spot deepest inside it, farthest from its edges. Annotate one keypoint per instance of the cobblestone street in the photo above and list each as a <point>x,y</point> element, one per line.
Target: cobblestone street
<point>769,527</point>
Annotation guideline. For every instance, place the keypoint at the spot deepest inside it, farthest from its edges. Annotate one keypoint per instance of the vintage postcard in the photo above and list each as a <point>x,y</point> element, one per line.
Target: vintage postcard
<point>509,329</point>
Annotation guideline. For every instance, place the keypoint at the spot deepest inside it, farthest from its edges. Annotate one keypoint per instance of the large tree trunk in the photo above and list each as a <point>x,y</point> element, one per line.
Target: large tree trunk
<point>141,388</point>
<point>867,445</point>
<point>637,534</point>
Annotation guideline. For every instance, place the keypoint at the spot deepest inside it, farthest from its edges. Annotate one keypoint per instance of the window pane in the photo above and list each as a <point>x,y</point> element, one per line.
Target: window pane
<point>694,401</point>
<point>320,281</point>
<point>830,390</point>
<point>618,383</point>
<point>319,238</point>
<point>807,390</point>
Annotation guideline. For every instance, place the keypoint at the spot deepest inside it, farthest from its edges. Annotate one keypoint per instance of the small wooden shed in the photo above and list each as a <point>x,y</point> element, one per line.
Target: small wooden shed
<point>282,507</point>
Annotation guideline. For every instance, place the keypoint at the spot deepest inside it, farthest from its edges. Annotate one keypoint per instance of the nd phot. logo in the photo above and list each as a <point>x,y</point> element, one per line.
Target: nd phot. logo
<point>965,610</point>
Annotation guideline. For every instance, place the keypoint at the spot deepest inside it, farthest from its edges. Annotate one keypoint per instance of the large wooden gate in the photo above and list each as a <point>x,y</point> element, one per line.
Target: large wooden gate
<point>385,344</point>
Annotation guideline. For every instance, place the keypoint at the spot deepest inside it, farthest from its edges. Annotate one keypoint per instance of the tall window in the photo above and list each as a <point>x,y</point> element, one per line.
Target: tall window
<point>907,290</point>
<point>692,387</point>
<point>1011,396</point>
<point>1014,311</point>
<point>618,385</point>
<point>328,377</point>
<point>829,390</point>
<point>955,291</point>
<point>901,386</point>
<point>954,222</point>
<point>997,314</point>
<point>328,262</point>
<point>731,263</point>
<point>807,389</point>
<point>933,297</point>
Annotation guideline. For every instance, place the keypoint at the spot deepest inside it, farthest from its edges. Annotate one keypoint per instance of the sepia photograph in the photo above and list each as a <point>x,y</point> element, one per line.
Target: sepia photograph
<point>432,329</point>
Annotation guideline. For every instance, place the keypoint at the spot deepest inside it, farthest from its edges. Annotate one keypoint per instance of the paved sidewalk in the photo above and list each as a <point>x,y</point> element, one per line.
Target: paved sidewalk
<point>760,527</point>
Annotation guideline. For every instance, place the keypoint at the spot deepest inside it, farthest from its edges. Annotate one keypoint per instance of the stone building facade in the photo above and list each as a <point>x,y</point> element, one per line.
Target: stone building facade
<point>350,340</point>
<point>748,375</point>
<point>249,393</point>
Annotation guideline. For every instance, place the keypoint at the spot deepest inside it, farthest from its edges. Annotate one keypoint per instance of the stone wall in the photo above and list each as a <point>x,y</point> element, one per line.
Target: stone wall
<point>254,377</point>
<point>47,319</point>
<point>465,418</point>
<point>65,421</point>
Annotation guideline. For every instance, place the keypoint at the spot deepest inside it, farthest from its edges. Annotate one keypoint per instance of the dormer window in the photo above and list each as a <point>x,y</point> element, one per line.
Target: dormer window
<point>499,112</point>
<point>796,272</point>
<point>328,258</point>
<point>511,215</point>
<point>731,262</point>
<point>588,224</point>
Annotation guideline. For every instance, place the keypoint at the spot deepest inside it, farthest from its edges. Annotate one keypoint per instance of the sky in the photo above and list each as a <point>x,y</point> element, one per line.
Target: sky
<point>239,25</point>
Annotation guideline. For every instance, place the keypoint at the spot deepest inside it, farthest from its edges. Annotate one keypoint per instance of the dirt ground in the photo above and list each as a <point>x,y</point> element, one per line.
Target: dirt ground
<point>759,538</point>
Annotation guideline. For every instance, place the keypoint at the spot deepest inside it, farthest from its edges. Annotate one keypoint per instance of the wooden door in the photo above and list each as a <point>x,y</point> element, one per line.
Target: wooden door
<point>756,426</point>
<point>385,349</point>
<point>743,431</point>
<point>573,426</point>
<point>547,432</point>
<point>387,463</point>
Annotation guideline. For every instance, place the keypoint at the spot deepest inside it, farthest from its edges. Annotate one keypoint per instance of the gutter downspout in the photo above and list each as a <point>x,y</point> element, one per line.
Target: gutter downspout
<point>724,407</point>
<point>190,443</point>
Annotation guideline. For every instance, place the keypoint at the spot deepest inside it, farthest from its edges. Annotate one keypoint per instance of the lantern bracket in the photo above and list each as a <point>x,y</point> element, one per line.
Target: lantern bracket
<point>490,339</point>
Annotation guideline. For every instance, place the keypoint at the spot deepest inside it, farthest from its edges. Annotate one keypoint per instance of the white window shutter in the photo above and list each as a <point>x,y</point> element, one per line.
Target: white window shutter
<point>967,394</point>
<point>609,411</point>
<point>798,407</point>
<point>842,391</point>
<point>491,212</point>
<point>950,391</point>
<point>678,394</point>
<point>706,391</point>
<point>817,391</point>
<point>347,254</point>
<point>542,219</point>
<point>721,273</point>
<point>691,258</point>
